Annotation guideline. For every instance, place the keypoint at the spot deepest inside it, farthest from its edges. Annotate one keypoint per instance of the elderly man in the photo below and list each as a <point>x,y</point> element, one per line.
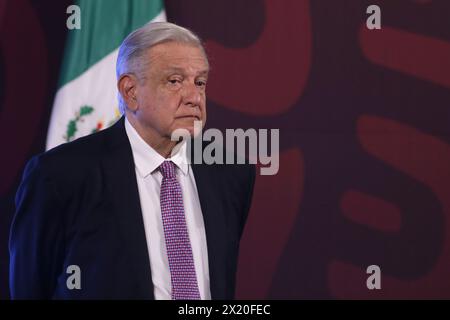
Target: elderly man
<point>123,214</point>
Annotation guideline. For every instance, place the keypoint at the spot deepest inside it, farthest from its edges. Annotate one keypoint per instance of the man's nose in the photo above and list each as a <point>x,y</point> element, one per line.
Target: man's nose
<point>191,95</point>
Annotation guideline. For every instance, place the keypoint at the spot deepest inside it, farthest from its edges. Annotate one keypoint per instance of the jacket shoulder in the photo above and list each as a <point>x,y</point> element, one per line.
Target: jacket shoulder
<point>75,154</point>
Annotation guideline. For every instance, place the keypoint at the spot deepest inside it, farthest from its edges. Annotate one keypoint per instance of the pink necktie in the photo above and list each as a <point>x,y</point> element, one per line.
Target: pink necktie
<point>179,251</point>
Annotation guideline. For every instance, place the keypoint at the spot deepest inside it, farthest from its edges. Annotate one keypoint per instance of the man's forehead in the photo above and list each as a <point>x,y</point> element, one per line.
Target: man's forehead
<point>177,54</point>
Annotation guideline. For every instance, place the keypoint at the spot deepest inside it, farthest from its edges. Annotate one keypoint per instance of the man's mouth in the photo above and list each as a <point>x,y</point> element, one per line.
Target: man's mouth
<point>190,117</point>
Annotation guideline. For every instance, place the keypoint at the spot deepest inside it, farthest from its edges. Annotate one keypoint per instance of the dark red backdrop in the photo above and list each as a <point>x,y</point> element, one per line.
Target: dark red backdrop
<point>364,127</point>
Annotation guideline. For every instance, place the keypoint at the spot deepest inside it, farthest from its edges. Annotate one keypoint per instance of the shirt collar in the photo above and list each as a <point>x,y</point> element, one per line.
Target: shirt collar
<point>147,159</point>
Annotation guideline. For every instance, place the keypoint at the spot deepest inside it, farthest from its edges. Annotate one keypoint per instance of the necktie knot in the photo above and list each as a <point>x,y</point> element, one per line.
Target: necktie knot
<point>167,169</point>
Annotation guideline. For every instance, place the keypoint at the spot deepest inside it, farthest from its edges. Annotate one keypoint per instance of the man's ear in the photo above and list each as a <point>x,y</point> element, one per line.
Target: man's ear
<point>127,86</point>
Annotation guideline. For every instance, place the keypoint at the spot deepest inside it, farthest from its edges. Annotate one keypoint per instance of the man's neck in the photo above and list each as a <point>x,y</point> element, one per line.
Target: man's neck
<point>162,145</point>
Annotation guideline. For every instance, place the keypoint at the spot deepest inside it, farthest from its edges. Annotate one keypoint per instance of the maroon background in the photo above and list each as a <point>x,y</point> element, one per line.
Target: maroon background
<point>364,127</point>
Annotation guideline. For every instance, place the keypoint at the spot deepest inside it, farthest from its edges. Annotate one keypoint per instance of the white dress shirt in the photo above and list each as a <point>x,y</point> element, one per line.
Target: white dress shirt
<point>147,161</point>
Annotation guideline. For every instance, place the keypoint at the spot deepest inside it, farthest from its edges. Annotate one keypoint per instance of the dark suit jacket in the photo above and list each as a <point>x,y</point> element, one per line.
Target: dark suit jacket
<point>78,204</point>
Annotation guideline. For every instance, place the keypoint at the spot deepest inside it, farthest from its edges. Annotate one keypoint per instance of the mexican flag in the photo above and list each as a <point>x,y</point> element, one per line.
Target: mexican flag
<point>86,100</point>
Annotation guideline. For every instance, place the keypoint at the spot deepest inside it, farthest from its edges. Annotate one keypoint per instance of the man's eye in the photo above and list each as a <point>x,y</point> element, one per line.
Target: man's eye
<point>174,81</point>
<point>201,83</point>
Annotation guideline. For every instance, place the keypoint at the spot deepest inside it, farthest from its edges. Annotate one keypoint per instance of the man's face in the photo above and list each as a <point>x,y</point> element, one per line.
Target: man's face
<point>172,96</point>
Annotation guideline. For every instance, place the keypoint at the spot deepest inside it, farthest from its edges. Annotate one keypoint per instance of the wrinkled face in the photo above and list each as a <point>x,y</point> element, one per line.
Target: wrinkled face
<point>172,95</point>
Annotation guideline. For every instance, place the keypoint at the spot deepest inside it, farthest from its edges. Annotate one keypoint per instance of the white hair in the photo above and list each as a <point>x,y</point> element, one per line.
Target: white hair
<point>130,59</point>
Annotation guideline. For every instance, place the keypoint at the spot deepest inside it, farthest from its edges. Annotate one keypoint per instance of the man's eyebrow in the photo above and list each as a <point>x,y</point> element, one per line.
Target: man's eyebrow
<point>174,69</point>
<point>181,70</point>
<point>204,72</point>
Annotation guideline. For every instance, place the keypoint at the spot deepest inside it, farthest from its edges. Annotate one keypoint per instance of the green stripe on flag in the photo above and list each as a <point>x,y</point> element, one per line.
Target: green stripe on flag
<point>104,25</point>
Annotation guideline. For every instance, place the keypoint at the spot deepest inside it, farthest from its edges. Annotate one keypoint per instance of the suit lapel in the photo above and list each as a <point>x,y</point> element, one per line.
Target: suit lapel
<point>123,191</point>
<point>215,223</point>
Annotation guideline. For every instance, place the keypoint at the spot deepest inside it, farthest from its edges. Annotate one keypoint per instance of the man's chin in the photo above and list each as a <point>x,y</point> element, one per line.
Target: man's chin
<point>194,131</point>
<point>187,131</point>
